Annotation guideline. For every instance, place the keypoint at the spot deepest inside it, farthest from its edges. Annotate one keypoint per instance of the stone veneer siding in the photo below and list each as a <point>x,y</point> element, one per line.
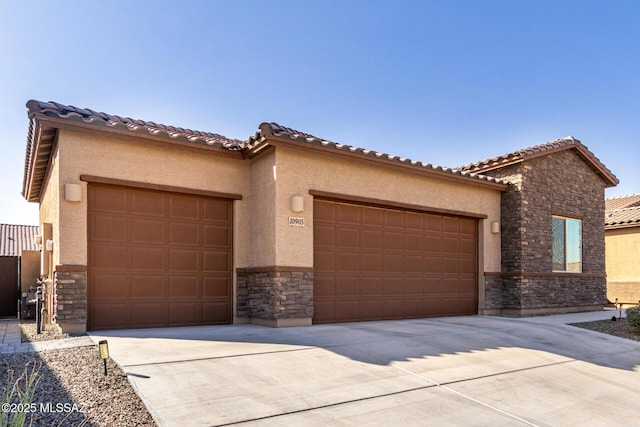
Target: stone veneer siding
<point>70,295</point>
<point>274,293</point>
<point>563,184</point>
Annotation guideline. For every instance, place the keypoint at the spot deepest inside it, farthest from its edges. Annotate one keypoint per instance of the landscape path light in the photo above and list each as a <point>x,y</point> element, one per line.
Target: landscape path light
<point>104,353</point>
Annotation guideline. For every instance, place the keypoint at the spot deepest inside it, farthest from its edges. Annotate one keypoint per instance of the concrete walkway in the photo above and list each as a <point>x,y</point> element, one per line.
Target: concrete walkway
<point>472,370</point>
<point>11,342</point>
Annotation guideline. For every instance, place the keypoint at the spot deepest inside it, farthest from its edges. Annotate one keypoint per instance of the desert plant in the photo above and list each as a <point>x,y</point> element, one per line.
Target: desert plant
<point>18,394</point>
<point>633,316</point>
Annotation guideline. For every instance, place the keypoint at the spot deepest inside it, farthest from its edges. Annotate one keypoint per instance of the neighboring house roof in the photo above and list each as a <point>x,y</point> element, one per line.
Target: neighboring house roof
<point>543,150</point>
<point>622,212</point>
<point>17,238</point>
<point>267,131</point>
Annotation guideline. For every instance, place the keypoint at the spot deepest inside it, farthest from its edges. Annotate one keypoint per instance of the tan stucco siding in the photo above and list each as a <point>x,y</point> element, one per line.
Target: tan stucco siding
<point>299,171</point>
<point>125,159</point>
<point>622,257</point>
<point>50,210</point>
<point>260,245</point>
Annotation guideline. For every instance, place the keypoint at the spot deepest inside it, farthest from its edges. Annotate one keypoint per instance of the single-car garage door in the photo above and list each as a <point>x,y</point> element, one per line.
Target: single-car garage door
<point>157,258</point>
<point>374,263</point>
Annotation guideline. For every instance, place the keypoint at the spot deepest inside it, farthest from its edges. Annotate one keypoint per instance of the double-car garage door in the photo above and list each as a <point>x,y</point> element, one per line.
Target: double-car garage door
<point>157,258</point>
<point>374,263</point>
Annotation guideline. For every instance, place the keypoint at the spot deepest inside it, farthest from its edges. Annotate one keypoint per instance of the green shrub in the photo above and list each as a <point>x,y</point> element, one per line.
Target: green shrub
<point>20,391</point>
<point>633,316</point>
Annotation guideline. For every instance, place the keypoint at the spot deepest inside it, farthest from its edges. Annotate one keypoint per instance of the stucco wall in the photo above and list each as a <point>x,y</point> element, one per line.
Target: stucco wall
<point>260,247</point>
<point>126,159</point>
<point>623,264</point>
<point>300,171</point>
<point>50,211</point>
<point>29,269</point>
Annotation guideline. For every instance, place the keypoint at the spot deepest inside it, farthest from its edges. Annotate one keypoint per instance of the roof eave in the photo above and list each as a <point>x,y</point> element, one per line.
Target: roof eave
<point>379,159</point>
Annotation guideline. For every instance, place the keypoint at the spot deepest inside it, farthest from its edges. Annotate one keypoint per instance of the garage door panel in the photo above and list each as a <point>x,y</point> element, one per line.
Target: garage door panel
<point>184,207</point>
<point>216,287</point>
<point>112,314</point>
<point>348,214</point>
<point>349,238</point>
<point>217,210</point>
<point>147,286</point>
<point>372,218</point>
<point>109,256</point>
<point>109,200</point>
<point>371,310</point>
<point>372,263</point>
<point>147,258</point>
<point>107,228</point>
<point>147,231</point>
<point>216,235</point>
<point>393,241</point>
<point>184,260</point>
<point>413,221</point>
<point>324,286</point>
<point>184,233</point>
<point>347,310</point>
<point>348,286</point>
<point>324,235</point>
<point>147,203</point>
<point>349,262</point>
<point>216,313</point>
<point>216,261</point>
<point>185,313</point>
<point>148,314</point>
<point>408,264</point>
<point>183,287</point>
<point>371,285</point>
<point>171,263</point>
<point>393,263</point>
<point>107,285</point>
<point>324,309</point>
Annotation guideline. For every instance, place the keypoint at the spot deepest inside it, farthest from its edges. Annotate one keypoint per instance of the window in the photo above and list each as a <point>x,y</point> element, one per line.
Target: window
<point>567,244</point>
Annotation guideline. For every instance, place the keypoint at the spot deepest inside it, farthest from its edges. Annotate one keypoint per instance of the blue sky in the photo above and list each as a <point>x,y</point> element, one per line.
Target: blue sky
<point>446,82</point>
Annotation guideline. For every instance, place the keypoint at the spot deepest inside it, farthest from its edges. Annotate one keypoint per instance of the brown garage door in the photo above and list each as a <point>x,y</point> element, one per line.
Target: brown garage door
<point>157,259</point>
<point>375,263</point>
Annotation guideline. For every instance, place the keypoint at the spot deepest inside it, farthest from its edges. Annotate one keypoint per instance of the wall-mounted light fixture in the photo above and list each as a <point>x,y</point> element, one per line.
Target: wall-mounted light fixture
<point>495,227</point>
<point>73,192</point>
<point>38,239</point>
<point>297,203</point>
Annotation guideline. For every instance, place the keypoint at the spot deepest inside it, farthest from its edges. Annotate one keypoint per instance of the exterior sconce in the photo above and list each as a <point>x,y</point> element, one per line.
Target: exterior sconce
<point>103,346</point>
<point>73,192</point>
<point>495,227</point>
<point>38,239</point>
<point>296,203</point>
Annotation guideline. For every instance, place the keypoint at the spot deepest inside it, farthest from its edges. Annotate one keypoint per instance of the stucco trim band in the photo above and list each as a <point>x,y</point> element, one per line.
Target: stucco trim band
<point>274,269</point>
<point>158,187</point>
<point>390,204</point>
<point>550,274</point>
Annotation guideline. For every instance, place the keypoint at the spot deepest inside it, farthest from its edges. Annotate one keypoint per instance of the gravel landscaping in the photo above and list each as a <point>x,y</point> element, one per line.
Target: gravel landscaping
<point>619,328</point>
<point>71,388</point>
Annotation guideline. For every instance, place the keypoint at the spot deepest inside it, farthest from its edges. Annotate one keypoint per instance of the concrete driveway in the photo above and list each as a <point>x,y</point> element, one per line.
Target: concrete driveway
<point>445,371</point>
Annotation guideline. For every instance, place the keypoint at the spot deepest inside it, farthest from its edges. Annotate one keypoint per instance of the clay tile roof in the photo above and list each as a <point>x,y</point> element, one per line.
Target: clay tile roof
<point>541,150</point>
<point>85,115</point>
<point>17,238</point>
<point>622,211</point>
<point>276,130</point>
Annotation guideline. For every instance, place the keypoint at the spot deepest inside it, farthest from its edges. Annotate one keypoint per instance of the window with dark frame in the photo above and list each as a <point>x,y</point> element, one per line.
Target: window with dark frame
<point>567,244</point>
